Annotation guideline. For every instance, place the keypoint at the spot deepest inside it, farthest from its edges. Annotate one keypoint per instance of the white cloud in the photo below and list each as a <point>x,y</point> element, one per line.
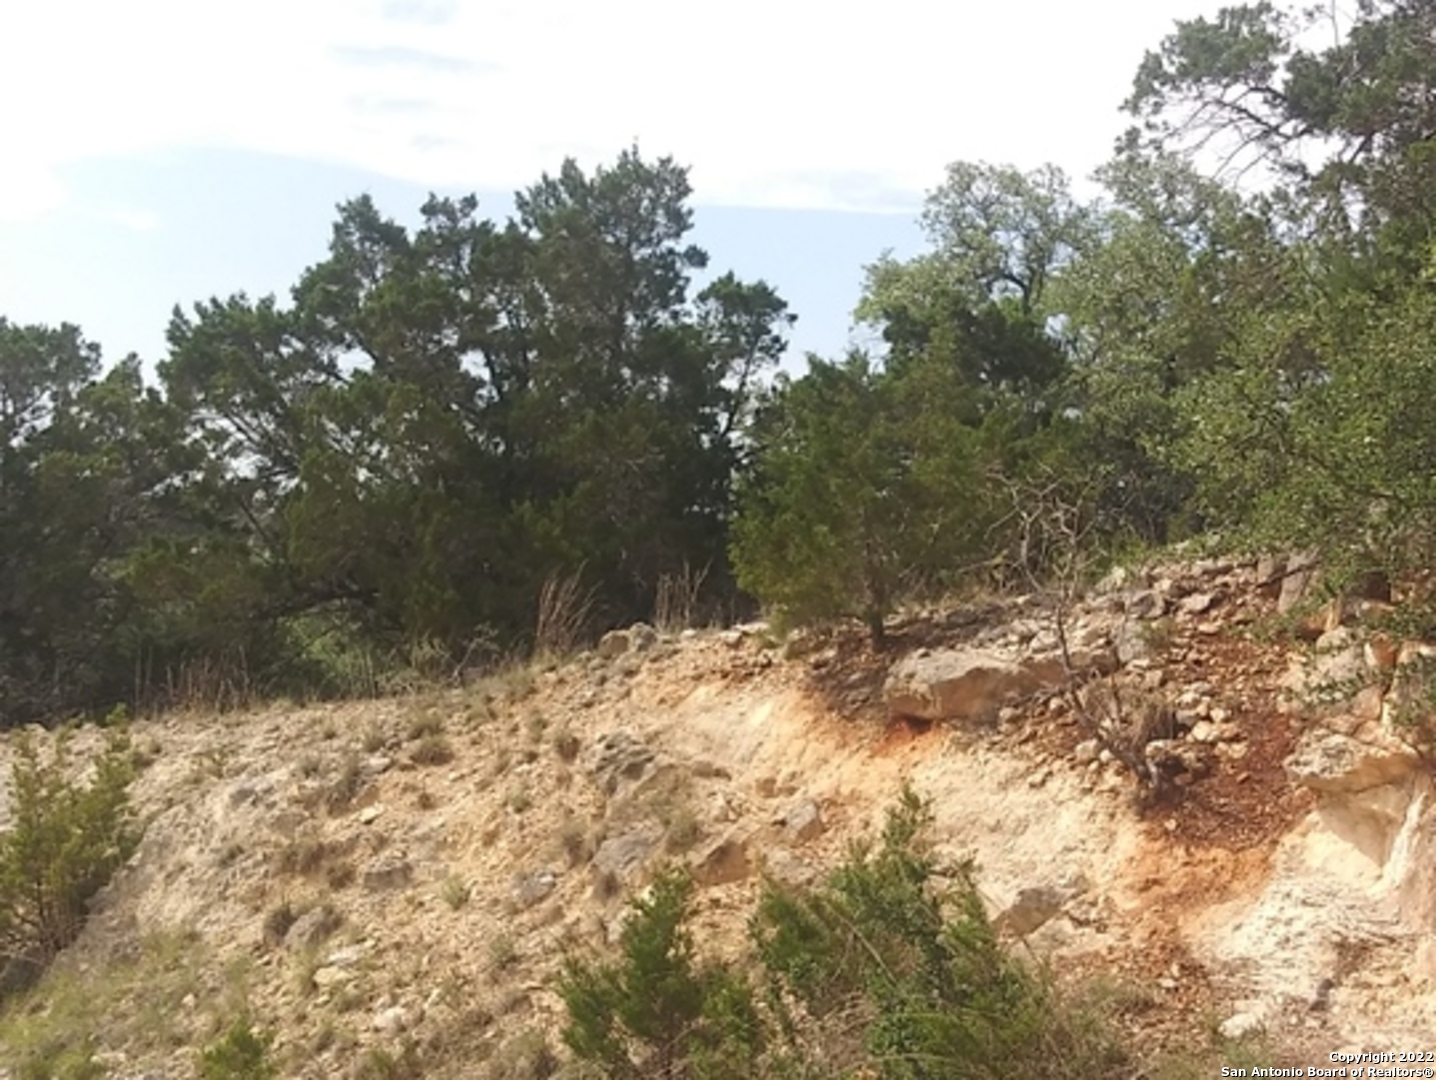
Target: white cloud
<point>772,102</point>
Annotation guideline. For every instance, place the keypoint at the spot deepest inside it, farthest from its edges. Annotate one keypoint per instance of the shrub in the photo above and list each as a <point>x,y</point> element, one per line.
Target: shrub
<point>64,844</point>
<point>455,891</point>
<point>657,1011</point>
<point>432,750</point>
<point>241,1053</point>
<point>896,972</point>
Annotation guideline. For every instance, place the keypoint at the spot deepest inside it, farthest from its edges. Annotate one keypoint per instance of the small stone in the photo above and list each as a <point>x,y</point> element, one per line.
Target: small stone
<point>312,928</point>
<point>722,862</point>
<point>1087,752</point>
<point>529,889</point>
<point>802,822</point>
<point>1204,731</point>
<point>1240,1026</point>
<point>391,1021</point>
<point>1037,779</point>
<point>1197,603</point>
<point>388,872</point>
<point>328,976</point>
<point>370,814</point>
<point>614,644</point>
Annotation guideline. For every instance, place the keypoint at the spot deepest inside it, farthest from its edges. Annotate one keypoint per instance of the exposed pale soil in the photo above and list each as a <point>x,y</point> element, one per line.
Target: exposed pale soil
<point>1240,894</point>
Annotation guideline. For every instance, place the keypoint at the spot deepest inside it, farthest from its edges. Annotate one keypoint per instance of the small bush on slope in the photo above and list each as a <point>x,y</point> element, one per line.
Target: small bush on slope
<point>657,1011</point>
<point>64,843</point>
<point>241,1053</point>
<point>890,969</point>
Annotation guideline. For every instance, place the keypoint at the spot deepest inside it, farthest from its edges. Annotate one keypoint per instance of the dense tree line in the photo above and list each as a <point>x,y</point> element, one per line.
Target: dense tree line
<point>1236,335</point>
<point>437,423</point>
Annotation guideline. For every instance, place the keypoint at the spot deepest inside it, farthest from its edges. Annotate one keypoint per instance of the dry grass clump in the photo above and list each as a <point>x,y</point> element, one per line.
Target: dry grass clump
<point>432,750</point>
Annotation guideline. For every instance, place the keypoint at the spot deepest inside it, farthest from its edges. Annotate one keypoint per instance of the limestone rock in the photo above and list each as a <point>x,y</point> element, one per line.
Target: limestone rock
<point>1332,675</point>
<point>1330,762</point>
<point>1301,571</point>
<point>1133,644</point>
<point>614,644</point>
<point>965,684</point>
<point>312,928</point>
<point>620,855</point>
<point>619,756</point>
<point>1032,909</point>
<point>724,861</point>
<point>802,822</point>
<point>388,871</point>
<point>1241,1025</point>
<point>530,888</point>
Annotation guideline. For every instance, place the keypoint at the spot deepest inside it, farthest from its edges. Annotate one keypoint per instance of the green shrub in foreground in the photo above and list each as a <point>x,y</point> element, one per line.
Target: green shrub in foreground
<point>241,1053</point>
<point>889,969</point>
<point>65,842</point>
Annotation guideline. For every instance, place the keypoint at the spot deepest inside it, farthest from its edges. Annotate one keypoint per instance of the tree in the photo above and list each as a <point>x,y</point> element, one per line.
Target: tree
<point>1180,271</point>
<point>865,487</point>
<point>447,417</point>
<point>978,300</point>
<point>1351,123</point>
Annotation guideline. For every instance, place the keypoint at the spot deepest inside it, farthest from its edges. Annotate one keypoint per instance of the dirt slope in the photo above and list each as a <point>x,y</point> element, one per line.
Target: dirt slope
<point>367,876</point>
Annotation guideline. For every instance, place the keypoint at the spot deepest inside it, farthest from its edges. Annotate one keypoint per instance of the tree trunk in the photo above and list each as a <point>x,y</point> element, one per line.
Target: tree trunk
<point>877,630</point>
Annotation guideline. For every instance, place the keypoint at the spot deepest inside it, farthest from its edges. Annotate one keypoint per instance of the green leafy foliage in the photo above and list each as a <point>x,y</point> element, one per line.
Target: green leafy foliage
<point>865,487</point>
<point>241,1053</point>
<point>893,967</point>
<point>657,1010</point>
<point>890,968</point>
<point>378,481</point>
<point>64,843</point>
<point>443,419</point>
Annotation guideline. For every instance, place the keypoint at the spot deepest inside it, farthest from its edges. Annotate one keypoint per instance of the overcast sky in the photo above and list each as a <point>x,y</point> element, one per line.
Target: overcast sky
<point>162,151</point>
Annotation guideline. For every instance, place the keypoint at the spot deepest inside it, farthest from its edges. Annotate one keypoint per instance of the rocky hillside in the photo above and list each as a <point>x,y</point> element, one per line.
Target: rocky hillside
<point>1157,788</point>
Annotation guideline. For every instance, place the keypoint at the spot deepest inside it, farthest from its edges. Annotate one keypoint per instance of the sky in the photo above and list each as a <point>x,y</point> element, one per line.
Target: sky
<point>161,152</point>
